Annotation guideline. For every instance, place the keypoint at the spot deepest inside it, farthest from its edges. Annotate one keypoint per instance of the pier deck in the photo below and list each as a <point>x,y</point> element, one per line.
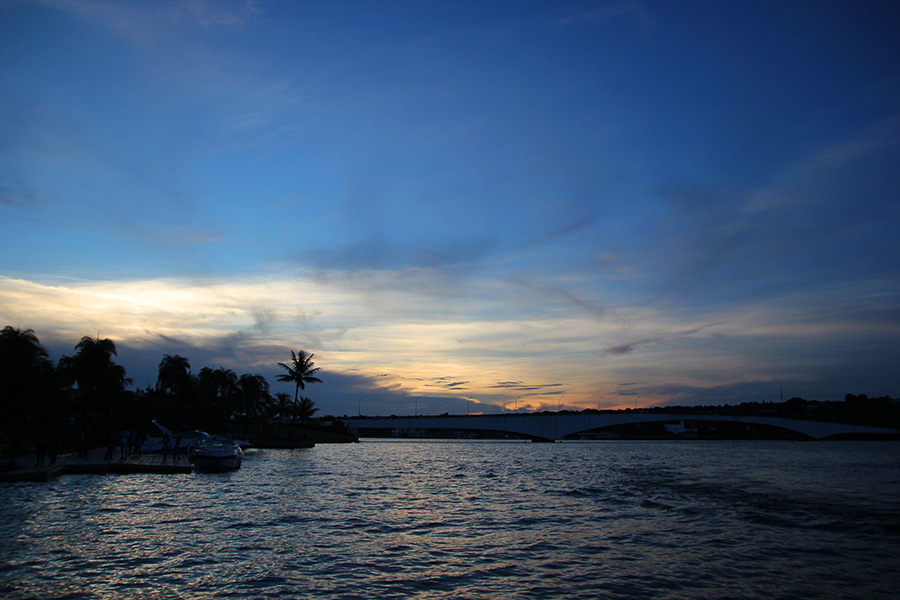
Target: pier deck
<point>25,469</point>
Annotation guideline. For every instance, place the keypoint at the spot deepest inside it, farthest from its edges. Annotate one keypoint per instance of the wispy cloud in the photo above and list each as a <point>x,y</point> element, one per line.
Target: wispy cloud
<point>832,174</point>
<point>812,215</point>
<point>145,22</point>
<point>611,10</point>
<point>212,13</point>
<point>629,347</point>
<point>231,95</point>
<point>521,386</point>
<point>563,295</point>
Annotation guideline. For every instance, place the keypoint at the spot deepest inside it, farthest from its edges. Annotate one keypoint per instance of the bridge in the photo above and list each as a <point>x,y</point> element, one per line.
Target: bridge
<point>547,427</point>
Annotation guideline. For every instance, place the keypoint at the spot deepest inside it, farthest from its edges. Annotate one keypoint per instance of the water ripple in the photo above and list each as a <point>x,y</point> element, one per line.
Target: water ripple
<point>462,520</point>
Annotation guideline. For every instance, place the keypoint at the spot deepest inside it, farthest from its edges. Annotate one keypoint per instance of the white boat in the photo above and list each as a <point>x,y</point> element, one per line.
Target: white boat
<point>216,454</point>
<point>178,443</point>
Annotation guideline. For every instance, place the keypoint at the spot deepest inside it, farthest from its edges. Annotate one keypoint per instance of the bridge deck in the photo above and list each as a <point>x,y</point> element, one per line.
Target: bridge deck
<point>556,426</point>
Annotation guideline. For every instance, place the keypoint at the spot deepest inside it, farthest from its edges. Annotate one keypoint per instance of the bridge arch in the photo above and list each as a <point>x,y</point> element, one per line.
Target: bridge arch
<point>688,427</point>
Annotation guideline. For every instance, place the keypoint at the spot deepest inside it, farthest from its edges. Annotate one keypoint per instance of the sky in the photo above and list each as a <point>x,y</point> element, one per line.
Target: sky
<point>461,206</point>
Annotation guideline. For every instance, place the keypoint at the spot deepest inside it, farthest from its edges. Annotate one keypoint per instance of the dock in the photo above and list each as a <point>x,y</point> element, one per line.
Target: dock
<point>25,468</point>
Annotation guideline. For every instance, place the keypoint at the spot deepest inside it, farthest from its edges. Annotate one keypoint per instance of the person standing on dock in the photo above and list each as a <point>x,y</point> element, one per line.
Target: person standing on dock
<point>83,444</point>
<point>52,448</point>
<point>123,444</point>
<point>40,450</point>
<point>110,445</point>
<point>165,447</point>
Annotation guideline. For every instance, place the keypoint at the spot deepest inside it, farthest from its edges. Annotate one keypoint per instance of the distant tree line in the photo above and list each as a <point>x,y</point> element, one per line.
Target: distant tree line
<point>88,391</point>
<point>859,409</point>
<point>854,410</point>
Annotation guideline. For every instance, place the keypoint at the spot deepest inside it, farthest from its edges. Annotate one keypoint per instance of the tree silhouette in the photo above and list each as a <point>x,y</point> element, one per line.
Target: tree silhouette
<point>173,396</point>
<point>100,381</point>
<point>26,373</point>
<point>174,375</point>
<point>300,372</point>
<point>219,393</point>
<point>305,409</point>
<point>282,406</point>
<point>254,390</point>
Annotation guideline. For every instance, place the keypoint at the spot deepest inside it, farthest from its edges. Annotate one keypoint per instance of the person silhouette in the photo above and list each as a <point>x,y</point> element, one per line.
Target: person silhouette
<point>82,444</point>
<point>110,445</point>
<point>123,444</point>
<point>40,451</point>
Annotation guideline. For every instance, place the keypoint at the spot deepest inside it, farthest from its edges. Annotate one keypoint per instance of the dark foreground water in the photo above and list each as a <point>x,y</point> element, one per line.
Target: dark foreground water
<point>472,520</point>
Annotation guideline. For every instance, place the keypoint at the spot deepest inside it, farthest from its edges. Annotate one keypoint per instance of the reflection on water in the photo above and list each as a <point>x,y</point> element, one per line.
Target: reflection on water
<point>420,519</point>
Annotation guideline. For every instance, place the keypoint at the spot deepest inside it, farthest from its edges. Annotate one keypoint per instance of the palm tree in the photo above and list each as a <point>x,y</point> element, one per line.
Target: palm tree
<point>173,397</point>
<point>254,391</point>
<point>282,406</point>
<point>91,368</point>
<point>305,409</point>
<point>300,372</point>
<point>218,388</point>
<point>25,373</point>
<point>174,375</point>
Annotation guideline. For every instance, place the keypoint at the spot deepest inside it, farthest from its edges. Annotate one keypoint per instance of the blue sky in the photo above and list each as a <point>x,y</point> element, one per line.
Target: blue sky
<point>576,204</point>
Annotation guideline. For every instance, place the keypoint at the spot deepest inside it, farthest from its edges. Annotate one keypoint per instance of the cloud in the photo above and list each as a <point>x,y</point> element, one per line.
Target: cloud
<point>828,387</point>
<point>213,13</point>
<point>494,341</point>
<point>455,384</point>
<point>373,253</point>
<point>247,323</point>
<point>221,97</point>
<point>136,22</point>
<point>612,10</point>
<point>814,218</point>
<point>827,175</point>
<point>19,196</point>
<point>629,347</point>
<point>509,384</point>
<point>521,386</point>
<point>143,23</point>
<point>352,393</point>
<point>564,295</point>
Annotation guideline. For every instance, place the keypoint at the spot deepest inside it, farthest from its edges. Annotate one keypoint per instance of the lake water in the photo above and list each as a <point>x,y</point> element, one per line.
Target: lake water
<point>447,519</point>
